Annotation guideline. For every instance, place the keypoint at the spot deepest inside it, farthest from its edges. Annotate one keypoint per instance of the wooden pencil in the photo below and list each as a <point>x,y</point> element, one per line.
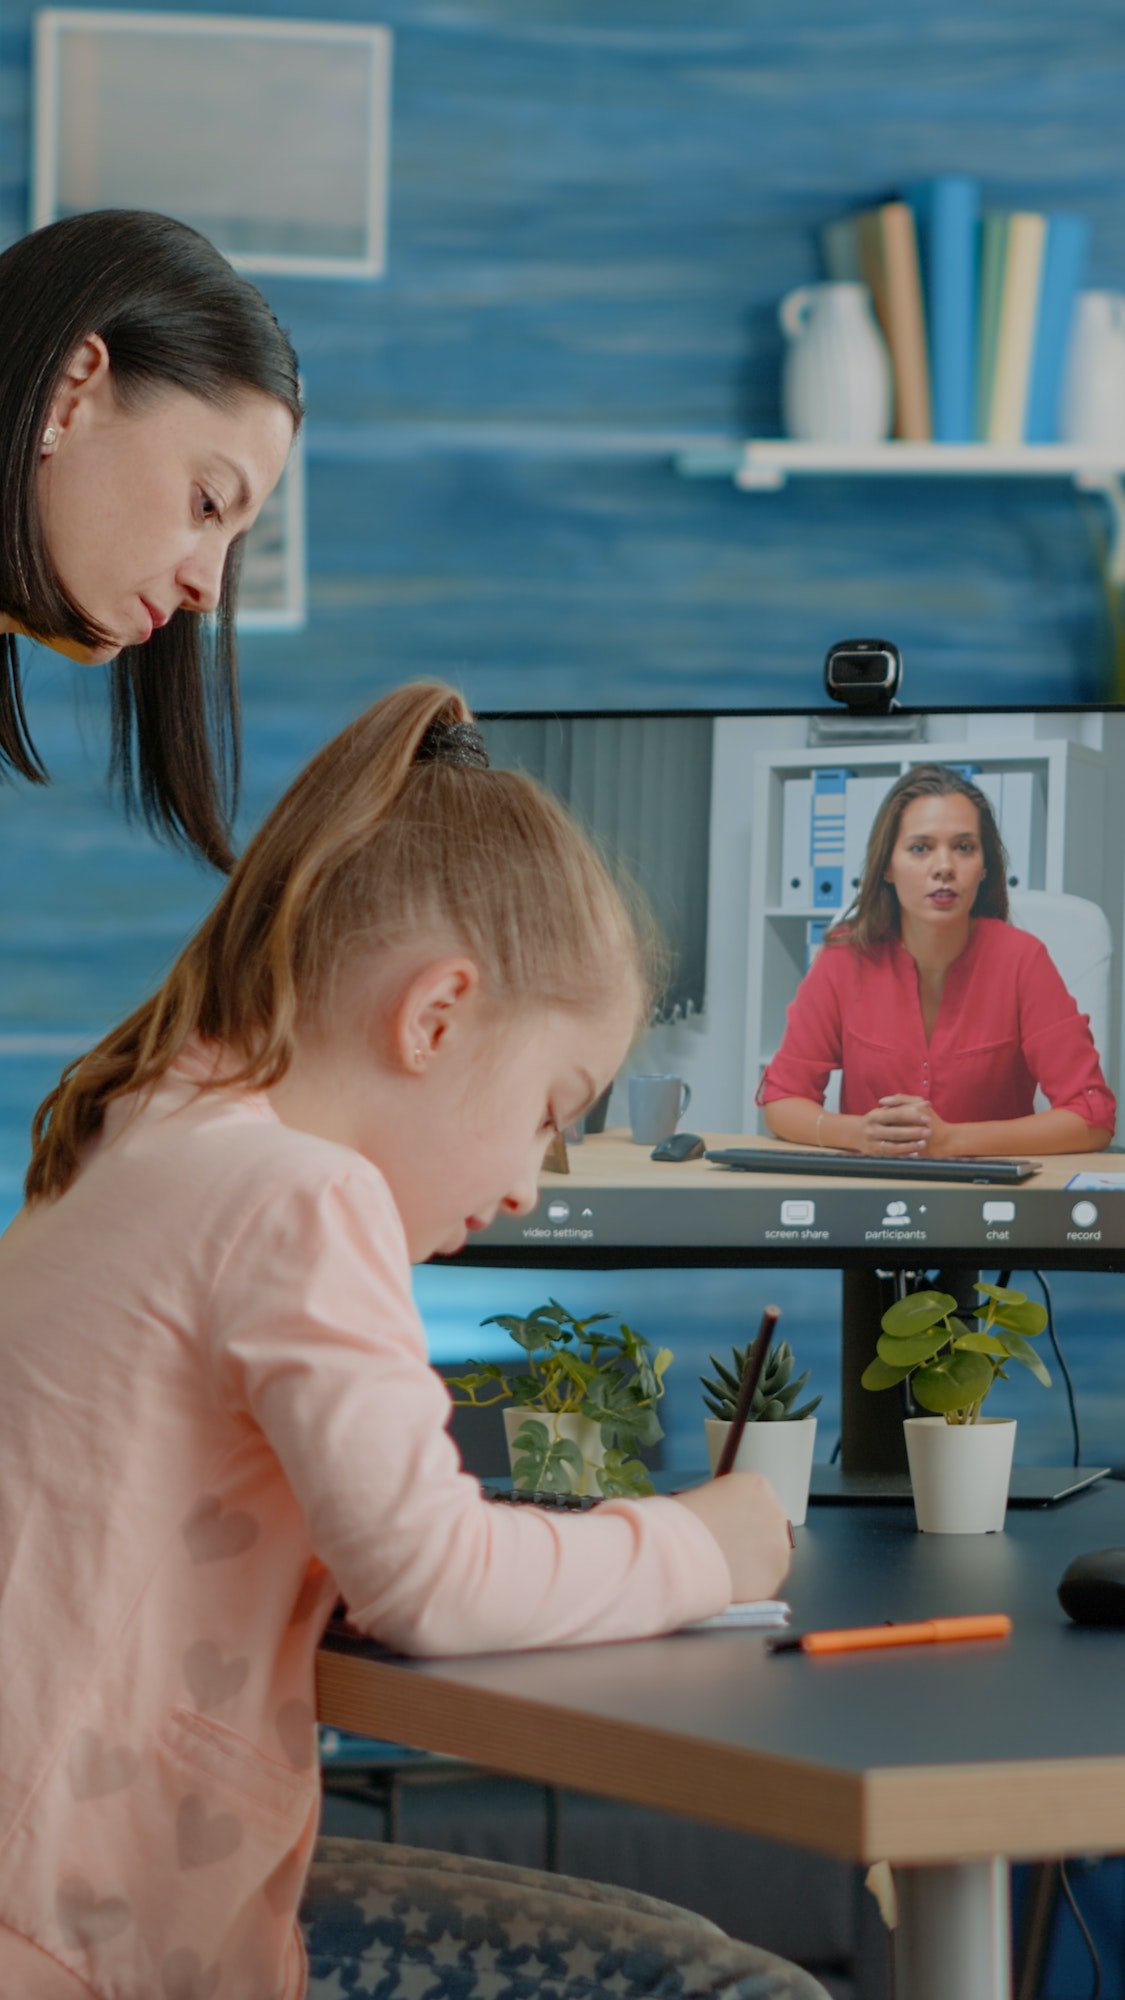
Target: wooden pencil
<point>751,1376</point>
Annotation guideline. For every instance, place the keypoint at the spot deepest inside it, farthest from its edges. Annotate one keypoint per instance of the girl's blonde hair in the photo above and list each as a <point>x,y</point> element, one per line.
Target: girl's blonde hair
<point>370,848</point>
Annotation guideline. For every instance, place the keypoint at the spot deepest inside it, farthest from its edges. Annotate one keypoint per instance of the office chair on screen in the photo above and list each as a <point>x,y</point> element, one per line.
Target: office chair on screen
<point>1076,932</point>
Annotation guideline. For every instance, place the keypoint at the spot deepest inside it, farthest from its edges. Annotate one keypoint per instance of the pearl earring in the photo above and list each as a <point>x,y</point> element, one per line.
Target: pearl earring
<point>50,438</point>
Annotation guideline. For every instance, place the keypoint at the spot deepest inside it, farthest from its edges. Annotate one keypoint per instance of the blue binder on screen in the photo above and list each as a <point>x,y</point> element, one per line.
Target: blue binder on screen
<point>1064,262</point>
<point>827,827</point>
<point>947,217</point>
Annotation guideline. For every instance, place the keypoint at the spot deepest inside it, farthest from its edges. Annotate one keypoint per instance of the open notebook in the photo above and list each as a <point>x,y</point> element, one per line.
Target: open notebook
<point>763,1616</point>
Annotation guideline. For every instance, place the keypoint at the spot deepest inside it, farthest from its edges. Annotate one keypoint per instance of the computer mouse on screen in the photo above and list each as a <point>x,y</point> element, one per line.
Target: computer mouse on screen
<point>1092,1591</point>
<point>680,1146</point>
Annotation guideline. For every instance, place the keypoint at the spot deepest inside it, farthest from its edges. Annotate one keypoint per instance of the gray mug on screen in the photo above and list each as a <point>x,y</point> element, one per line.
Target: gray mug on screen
<point>656,1105</point>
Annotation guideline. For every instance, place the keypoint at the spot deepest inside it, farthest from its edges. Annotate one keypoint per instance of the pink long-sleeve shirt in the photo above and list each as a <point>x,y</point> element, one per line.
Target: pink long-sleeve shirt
<point>216,1413</point>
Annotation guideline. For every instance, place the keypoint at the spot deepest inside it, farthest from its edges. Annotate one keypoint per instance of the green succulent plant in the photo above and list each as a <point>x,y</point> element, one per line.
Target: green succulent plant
<point>951,1367</point>
<point>774,1396</point>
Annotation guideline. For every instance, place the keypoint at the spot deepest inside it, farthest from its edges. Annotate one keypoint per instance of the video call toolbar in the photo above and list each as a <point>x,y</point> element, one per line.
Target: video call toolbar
<point>838,1221</point>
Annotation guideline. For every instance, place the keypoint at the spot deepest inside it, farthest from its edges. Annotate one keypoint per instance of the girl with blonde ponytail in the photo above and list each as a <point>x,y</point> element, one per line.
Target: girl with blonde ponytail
<point>214,1383</point>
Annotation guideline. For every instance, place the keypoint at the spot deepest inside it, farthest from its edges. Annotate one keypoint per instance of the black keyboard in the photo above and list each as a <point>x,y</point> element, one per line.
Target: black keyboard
<point>865,1166</point>
<point>562,1503</point>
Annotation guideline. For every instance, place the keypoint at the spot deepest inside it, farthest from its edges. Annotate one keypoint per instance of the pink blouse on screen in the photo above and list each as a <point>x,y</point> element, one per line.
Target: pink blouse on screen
<point>1006,1024</point>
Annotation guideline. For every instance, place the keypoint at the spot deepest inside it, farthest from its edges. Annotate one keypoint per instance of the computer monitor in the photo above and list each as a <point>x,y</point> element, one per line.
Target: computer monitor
<point>748,833</point>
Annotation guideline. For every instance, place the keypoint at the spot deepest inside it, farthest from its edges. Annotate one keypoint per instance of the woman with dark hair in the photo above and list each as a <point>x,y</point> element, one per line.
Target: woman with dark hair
<point>148,401</point>
<point>942,1016</point>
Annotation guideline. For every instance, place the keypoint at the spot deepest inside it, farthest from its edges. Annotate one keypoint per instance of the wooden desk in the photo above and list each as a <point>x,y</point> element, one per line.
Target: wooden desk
<point>939,1760</point>
<point>616,1196</point>
<point>611,1160</point>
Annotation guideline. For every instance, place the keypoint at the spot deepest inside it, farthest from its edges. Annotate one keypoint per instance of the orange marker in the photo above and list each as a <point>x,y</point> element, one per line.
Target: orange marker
<point>928,1632</point>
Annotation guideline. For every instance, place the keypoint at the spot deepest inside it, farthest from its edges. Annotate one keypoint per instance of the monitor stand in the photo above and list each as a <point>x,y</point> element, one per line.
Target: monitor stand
<point>872,1464</point>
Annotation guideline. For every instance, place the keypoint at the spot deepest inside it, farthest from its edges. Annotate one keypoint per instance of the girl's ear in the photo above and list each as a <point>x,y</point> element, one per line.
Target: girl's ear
<point>432,1012</point>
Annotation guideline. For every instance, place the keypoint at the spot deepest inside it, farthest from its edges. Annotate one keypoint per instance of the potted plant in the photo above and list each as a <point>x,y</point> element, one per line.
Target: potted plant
<point>779,1437</point>
<point>960,1461</point>
<point>585,1404</point>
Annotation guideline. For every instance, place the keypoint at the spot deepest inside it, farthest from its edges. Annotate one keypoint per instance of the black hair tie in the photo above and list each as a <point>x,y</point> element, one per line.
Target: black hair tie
<point>453,743</point>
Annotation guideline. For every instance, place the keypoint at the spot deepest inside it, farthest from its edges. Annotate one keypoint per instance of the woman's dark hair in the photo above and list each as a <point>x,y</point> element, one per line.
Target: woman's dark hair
<point>874,916</point>
<point>173,315</point>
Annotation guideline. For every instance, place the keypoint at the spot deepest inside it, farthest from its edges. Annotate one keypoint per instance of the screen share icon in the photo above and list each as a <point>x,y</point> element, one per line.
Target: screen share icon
<point>798,1214</point>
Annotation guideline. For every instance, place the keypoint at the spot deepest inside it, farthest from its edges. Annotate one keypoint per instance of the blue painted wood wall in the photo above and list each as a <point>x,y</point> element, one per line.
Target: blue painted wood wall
<point>594,210</point>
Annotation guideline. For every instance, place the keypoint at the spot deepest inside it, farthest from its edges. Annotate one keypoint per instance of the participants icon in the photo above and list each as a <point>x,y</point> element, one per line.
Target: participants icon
<point>897,1216</point>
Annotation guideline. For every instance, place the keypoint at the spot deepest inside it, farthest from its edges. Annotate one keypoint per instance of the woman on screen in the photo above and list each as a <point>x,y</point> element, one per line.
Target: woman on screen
<point>942,1017</point>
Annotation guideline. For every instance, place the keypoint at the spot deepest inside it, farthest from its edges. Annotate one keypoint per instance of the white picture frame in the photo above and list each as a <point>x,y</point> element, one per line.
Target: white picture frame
<point>271,137</point>
<point>272,595</point>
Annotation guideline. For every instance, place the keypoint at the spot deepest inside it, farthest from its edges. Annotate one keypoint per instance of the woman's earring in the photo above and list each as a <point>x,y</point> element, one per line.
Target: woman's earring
<point>50,438</point>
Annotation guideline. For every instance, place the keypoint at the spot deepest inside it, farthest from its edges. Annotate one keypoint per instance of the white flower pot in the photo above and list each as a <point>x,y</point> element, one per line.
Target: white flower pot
<point>781,1452</point>
<point>960,1473</point>
<point>580,1431</point>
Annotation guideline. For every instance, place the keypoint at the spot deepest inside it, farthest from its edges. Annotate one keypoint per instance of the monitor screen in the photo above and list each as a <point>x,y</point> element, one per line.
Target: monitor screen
<point>784,880</point>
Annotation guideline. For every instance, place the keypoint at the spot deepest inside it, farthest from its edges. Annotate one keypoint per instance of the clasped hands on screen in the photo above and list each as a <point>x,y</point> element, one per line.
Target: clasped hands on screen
<point>906,1125</point>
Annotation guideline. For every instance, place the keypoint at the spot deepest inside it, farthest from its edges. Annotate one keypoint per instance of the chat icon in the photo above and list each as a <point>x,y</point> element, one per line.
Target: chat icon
<point>999,1211</point>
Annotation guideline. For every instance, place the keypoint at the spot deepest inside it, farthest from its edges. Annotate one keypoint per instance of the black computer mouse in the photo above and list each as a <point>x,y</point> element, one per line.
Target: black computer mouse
<point>1092,1591</point>
<point>680,1146</point>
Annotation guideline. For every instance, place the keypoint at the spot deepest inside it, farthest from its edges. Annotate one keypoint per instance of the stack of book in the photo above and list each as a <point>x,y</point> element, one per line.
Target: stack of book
<point>975,306</point>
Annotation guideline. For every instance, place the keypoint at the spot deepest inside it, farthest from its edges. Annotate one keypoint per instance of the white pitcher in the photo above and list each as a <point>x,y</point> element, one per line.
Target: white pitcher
<point>836,384</point>
<point>1092,404</point>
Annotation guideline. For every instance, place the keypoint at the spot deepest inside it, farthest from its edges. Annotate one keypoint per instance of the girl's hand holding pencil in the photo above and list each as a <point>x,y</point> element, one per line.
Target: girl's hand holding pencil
<point>748,1521</point>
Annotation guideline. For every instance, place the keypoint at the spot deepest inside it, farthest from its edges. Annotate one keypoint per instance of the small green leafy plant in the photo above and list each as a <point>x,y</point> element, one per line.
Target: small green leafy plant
<point>952,1367</point>
<point>774,1396</point>
<point>577,1367</point>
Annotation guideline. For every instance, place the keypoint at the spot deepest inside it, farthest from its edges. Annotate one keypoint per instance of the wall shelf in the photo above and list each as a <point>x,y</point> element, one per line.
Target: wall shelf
<point>763,465</point>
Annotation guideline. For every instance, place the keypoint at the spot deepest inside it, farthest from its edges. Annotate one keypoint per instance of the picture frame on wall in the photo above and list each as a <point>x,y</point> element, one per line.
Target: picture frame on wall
<point>271,595</point>
<point>269,136</point>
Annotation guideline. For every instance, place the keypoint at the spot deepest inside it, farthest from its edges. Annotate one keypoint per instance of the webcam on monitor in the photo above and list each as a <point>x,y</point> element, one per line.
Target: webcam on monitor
<point>864,674</point>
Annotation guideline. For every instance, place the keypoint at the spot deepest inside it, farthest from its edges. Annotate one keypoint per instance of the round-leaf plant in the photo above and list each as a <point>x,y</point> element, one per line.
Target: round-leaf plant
<point>576,1367</point>
<point>951,1367</point>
